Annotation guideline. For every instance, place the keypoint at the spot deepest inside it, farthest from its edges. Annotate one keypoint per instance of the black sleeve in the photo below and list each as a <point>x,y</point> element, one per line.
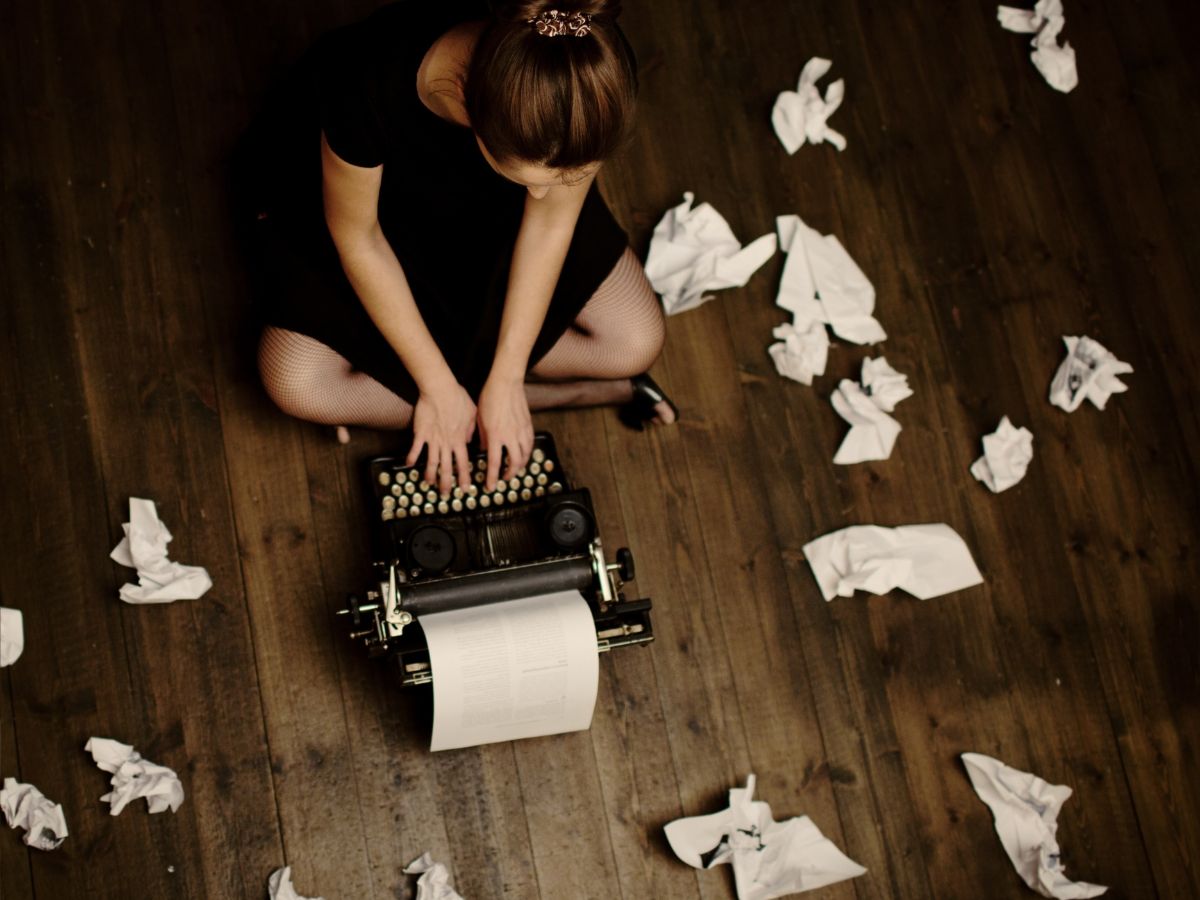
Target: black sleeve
<point>346,96</point>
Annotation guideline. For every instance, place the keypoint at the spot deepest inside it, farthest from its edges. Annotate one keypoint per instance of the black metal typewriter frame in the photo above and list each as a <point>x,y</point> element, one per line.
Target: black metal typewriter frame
<point>392,630</point>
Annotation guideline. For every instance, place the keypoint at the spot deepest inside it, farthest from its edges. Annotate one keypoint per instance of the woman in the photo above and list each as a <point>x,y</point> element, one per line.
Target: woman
<point>458,267</point>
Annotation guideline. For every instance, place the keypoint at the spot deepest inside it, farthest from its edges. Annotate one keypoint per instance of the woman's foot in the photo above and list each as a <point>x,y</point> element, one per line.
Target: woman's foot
<point>343,434</point>
<point>650,403</point>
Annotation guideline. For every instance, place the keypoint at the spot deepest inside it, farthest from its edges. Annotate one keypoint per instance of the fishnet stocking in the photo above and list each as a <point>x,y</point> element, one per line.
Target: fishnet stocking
<point>311,381</point>
<point>619,333</point>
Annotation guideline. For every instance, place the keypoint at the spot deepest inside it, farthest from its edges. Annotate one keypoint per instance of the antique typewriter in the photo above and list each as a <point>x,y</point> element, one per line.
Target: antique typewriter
<point>533,534</point>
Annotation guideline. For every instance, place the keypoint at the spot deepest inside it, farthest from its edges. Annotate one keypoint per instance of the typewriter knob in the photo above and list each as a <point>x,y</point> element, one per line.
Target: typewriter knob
<point>431,548</point>
<point>625,564</point>
<point>570,525</point>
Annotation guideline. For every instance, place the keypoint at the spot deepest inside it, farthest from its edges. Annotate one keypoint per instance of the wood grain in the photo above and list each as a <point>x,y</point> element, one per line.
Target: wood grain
<point>993,215</point>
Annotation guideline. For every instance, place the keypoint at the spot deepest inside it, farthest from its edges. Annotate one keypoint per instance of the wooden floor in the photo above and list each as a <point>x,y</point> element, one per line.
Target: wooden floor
<point>993,215</point>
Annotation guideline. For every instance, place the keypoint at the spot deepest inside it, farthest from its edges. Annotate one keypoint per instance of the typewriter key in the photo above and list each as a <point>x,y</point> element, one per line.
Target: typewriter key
<point>403,501</point>
<point>556,487</point>
<point>542,479</point>
<point>443,507</point>
<point>498,498</point>
<point>457,492</point>
<point>412,475</point>
<point>472,490</point>
<point>527,481</point>
<point>526,493</point>
<point>485,501</point>
<point>534,468</point>
<point>389,502</point>
<point>479,476</point>
<point>538,454</point>
<point>385,479</point>
<point>501,485</point>
<point>512,496</point>
<point>409,487</point>
<point>402,514</point>
<point>397,490</point>
<point>521,472</point>
<point>431,495</point>
<point>387,515</point>
<point>548,465</point>
<point>539,491</point>
<point>470,502</point>
<point>428,509</point>
<point>422,485</point>
<point>456,505</point>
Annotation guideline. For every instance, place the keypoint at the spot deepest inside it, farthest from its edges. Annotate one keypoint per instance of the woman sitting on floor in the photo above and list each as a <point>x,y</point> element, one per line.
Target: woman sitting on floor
<point>459,267</point>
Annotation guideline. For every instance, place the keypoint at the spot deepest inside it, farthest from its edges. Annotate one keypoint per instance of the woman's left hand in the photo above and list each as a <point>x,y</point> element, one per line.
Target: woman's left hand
<point>504,424</point>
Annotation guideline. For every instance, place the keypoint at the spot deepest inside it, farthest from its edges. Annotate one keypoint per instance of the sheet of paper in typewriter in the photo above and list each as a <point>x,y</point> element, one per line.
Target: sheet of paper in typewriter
<point>511,670</point>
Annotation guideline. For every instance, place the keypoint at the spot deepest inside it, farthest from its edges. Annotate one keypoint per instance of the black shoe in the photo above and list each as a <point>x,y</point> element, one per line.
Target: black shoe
<point>641,409</point>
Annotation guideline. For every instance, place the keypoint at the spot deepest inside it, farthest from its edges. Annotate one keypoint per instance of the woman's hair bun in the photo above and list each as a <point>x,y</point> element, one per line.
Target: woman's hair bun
<point>552,82</point>
<point>524,10</point>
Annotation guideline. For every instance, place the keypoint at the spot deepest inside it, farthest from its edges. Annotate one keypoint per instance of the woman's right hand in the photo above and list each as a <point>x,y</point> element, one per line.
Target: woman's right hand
<point>443,423</point>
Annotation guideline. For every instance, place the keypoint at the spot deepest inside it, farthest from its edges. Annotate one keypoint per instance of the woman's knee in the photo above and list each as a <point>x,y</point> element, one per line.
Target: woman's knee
<point>646,341</point>
<point>293,368</point>
<point>619,333</point>
<point>633,316</point>
<point>642,332</point>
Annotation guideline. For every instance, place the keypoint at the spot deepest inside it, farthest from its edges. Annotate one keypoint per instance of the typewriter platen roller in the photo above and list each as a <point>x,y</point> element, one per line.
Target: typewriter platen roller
<point>533,534</point>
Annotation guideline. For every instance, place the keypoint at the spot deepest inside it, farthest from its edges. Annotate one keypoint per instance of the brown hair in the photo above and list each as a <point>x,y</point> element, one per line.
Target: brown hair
<point>562,102</point>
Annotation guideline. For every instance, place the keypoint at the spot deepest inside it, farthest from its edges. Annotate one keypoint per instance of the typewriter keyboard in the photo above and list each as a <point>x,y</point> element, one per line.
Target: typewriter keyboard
<point>403,492</point>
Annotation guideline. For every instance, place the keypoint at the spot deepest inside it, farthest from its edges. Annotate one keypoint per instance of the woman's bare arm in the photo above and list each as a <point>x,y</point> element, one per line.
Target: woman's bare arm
<point>444,418</point>
<point>351,196</point>
<point>547,226</point>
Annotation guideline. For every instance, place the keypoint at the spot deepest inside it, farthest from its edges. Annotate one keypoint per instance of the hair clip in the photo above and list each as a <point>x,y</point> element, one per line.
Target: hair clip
<point>556,23</point>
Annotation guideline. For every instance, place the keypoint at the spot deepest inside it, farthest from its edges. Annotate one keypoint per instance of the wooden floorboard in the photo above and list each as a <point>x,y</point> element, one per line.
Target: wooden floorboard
<point>993,215</point>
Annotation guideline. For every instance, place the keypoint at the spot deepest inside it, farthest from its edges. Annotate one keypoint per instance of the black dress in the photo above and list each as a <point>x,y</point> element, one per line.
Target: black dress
<point>451,220</point>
